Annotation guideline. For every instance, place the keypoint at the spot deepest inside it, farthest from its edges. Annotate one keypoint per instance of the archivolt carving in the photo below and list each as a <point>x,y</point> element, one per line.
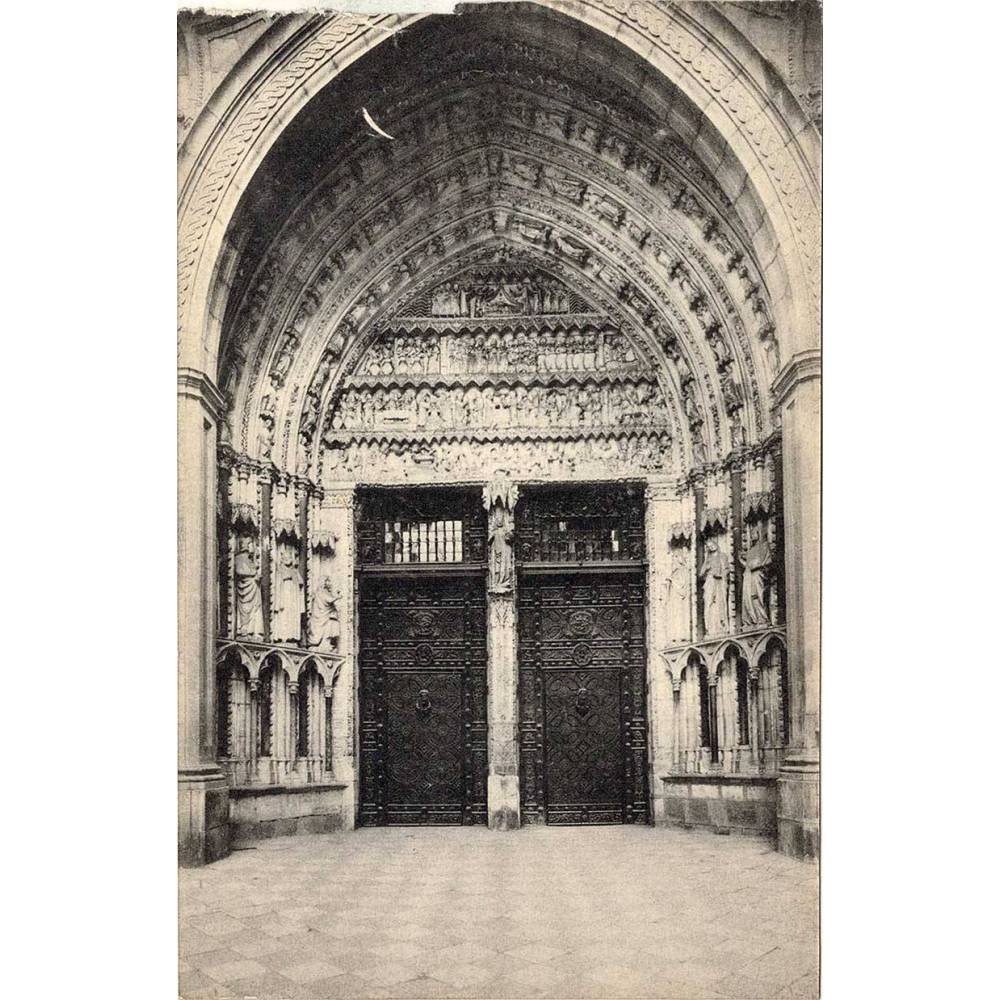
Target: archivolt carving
<point>239,135</point>
<point>673,29</point>
<point>609,295</point>
<point>584,189</point>
<point>543,234</point>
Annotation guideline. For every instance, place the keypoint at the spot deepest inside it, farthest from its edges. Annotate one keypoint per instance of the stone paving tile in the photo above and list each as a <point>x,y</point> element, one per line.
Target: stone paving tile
<point>229,972</point>
<point>552,913</point>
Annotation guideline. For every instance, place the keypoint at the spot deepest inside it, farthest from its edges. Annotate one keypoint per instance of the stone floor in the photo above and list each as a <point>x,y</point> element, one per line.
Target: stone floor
<point>462,912</point>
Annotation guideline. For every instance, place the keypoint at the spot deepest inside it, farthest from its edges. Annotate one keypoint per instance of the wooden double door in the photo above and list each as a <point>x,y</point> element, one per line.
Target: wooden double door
<point>581,689</point>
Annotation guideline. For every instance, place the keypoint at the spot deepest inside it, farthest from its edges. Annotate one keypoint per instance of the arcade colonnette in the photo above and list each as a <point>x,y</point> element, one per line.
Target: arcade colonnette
<point>498,438</point>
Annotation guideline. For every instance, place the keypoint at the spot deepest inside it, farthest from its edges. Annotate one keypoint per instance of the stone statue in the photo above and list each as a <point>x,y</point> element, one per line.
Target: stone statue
<point>756,565</point>
<point>679,594</point>
<point>324,618</point>
<point>499,498</point>
<point>287,596</point>
<point>501,530</point>
<point>714,572</point>
<point>249,610</point>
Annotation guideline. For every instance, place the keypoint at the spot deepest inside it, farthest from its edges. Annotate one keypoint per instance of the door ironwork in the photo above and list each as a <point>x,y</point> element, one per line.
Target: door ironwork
<point>582,698</point>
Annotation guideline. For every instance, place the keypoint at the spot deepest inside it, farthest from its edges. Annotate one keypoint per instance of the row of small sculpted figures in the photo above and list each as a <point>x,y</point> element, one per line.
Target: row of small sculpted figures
<point>625,405</point>
<point>524,351</point>
<point>391,460</point>
<point>524,297</point>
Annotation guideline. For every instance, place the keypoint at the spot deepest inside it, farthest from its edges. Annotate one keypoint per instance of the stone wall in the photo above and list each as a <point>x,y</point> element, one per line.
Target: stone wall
<point>721,803</point>
<point>277,811</point>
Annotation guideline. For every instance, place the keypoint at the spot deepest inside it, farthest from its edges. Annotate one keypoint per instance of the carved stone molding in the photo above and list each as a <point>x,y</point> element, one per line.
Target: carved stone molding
<point>253,657</point>
<point>751,644</point>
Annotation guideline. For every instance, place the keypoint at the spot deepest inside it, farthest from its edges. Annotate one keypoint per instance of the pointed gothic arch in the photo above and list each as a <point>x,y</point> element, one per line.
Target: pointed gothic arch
<point>687,219</point>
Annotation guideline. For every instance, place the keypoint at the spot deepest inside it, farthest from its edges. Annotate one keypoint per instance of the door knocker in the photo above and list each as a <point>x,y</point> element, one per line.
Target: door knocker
<point>423,700</point>
<point>582,701</point>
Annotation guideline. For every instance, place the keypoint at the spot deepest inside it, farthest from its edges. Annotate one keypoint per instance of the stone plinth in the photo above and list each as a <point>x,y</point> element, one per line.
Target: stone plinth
<point>259,812</point>
<point>737,804</point>
<point>202,817</point>
<point>798,806</point>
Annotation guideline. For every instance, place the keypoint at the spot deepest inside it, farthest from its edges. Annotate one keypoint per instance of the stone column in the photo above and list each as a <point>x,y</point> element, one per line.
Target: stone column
<point>503,790</point>
<point>336,523</point>
<point>797,394</point>
<point>203,791</point>
<point>663,507</point>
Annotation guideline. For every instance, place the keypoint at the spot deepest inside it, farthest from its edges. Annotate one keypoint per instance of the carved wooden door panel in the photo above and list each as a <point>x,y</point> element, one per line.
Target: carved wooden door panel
<point>423,700</point>
<point>582,698</point>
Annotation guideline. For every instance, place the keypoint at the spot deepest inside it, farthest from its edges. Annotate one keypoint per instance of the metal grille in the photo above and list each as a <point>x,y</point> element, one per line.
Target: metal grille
<point>428,525</point>
<point>422,542</point>
<point>582,524</point>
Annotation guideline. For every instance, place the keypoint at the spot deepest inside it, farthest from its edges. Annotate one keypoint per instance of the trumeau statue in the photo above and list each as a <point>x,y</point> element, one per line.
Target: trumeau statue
<point>249,610</point>
<point>756,565</point>
<point>324,618</point>
<point>288,598</point>
<point>499,498</point>
<point>714,571</point>
<point>501,531</point>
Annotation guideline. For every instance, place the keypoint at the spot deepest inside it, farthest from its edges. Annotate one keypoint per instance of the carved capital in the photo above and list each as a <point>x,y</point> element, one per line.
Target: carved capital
<point>802,367</point>
<point>339,499</point>
<point>194,384</point>
<point>660,492</point>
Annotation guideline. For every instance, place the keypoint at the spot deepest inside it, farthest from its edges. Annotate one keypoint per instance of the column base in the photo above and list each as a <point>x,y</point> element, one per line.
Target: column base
<point>798,806</point>
<point>503,802</point>
<point>343,768</point>
<point>202,816</point>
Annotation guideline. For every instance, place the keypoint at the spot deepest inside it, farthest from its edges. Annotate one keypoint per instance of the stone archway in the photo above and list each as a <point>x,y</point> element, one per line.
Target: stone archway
<point>703,271</point>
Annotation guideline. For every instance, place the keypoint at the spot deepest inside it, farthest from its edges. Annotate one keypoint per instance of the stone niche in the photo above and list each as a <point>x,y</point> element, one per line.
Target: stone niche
<point>746,805</point>
<point>259,812</point>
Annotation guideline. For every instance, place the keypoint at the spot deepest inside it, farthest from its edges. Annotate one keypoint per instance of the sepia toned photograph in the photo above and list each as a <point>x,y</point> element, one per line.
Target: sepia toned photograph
<point>499,469</point>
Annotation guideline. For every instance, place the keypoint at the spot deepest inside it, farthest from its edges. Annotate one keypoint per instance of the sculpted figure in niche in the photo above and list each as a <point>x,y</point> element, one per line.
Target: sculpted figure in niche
<point>714,572</point>
<point>288,599</point>
<point>324,618</point>
<point>249,610</point>
<point>756,566</point>
<point>679,594</point>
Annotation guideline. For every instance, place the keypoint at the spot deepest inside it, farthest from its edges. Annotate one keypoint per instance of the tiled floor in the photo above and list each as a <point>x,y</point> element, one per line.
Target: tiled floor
<point>462,912</point>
